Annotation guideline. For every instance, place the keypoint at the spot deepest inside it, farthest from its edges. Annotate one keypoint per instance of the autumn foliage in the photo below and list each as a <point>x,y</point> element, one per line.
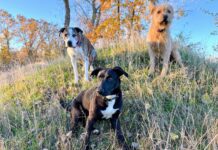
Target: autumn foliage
<point>26,39</point>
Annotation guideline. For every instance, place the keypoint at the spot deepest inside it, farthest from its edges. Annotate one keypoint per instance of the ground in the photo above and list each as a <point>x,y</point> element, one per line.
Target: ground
<point>179,111</point>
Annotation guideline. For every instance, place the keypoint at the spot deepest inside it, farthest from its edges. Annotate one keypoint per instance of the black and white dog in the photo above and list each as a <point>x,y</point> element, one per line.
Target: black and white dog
<point>100,102</point>
<point>78,47</point>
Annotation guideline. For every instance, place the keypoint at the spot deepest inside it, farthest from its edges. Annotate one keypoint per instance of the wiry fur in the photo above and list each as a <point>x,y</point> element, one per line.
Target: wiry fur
<point>159,41</point>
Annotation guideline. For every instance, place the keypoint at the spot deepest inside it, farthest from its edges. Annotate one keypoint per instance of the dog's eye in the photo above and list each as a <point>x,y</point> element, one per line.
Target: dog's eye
<point>101,76</point>
<point>74,35</point>
<point>65,35</point>
<point>169,11</point>
<point>158,11</point>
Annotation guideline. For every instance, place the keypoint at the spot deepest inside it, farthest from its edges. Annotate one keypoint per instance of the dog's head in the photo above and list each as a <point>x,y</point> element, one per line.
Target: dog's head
<point>110,79</point>
<point>72,36</point>
<point>162,15</point>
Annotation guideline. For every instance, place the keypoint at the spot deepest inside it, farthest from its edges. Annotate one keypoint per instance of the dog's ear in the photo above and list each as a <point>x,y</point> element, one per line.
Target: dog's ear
<point>96,71</point>
<point>78,30</point>
<point>61,31</point>
<point>151,7</point>
<point>171,9</point>
<point>120,71</point>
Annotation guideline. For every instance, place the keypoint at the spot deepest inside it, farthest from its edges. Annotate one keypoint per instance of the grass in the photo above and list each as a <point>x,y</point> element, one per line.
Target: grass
<point>179,111</point>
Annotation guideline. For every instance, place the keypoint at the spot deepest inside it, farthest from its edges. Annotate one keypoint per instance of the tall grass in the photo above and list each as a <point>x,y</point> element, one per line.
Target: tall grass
<point>177,112</point>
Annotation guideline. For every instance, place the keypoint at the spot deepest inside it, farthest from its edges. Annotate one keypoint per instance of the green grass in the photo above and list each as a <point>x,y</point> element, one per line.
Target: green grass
<point>178,111</point>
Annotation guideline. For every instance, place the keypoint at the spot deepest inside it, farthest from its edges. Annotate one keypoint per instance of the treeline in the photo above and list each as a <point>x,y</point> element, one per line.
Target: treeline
<point>23,40</point>
<point>27,39</point>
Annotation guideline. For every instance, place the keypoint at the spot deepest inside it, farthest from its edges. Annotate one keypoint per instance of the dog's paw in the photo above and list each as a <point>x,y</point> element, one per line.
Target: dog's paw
<point>96,132</point>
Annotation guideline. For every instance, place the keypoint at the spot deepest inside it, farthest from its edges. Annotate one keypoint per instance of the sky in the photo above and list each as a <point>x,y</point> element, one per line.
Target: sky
<point>197,25</point>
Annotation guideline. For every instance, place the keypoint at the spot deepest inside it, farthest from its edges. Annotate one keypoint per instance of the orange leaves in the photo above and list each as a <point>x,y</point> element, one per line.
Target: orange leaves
<point>27,24</point>
<point>29,38</point>
<point>117,17</point>
<point>108,28</point>
<point>6,18</point>
<point>105,4</point>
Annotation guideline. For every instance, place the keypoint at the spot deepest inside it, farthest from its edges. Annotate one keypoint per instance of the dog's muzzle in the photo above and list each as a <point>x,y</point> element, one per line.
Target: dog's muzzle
<point>165,20</point>
<point>100,91</point>
<point>69,44</point>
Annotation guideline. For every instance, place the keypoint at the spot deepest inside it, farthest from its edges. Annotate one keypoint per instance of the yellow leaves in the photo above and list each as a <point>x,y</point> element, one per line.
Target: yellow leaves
<point>5,55</point>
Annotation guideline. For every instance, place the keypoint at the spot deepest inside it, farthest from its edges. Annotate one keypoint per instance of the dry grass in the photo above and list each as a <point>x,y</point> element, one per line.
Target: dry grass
<point>20,72</point>
<point>177,112</point>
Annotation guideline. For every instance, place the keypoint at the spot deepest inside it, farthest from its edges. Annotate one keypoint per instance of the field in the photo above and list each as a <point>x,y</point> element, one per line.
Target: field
<point>179,111</point>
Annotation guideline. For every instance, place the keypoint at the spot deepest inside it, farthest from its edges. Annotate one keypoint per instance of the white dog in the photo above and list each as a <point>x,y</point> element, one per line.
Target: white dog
<point>78,47</point>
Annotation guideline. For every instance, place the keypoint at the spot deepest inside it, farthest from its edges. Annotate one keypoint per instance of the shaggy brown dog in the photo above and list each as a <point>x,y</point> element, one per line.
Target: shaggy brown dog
<point>159,39</point>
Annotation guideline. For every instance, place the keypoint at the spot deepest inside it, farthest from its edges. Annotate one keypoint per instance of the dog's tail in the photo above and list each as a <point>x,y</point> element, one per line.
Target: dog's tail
<point>62,99</point>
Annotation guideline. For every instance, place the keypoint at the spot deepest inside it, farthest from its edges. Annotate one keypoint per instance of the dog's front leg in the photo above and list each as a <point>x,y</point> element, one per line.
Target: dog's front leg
<point>166,57</point>
<point>177,57</point>
<point>86,68</point>
<point>89,127</point>
<point>152,59</point>
<point>115,124</point>
<point>75,70</point>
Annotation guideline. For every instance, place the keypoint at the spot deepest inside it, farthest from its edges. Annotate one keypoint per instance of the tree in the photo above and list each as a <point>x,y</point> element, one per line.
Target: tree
<point>134,12</point>
<point>27,34</point>
<point>5,56</point>
<point>92,13</point>
<point>50,44</point>
<point>7,24</point>
<point>67,13</point>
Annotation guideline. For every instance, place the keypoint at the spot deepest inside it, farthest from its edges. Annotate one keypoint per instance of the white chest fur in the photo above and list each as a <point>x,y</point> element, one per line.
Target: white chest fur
<point>109,111</point>
<point>77,52</point>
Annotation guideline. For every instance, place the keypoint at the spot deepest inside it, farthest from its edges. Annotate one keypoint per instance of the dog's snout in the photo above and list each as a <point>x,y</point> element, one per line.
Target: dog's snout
<point>100,91</point>
<point>165,17</point>
<point>69,43</point>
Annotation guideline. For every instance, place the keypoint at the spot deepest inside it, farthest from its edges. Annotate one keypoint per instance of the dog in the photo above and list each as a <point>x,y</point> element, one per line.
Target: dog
<point>99,102</point>
<point>159,39</point>
<point>78,47</point>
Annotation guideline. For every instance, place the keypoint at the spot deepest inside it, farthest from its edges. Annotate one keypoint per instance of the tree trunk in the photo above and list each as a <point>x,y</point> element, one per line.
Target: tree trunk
<point>67,13</point>
<point>94,12</point>
<point>118,17</point>
<point>67,20</point>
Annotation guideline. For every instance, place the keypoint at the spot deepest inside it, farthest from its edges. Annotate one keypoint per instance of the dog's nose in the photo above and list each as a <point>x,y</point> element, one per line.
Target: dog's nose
<point>165,17</point>
<point>69,44</point>
<point>100,91</point>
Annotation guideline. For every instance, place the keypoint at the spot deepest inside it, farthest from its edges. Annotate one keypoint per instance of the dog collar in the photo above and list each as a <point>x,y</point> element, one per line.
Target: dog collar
<point>79,43</point>
<point>109,97</point>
